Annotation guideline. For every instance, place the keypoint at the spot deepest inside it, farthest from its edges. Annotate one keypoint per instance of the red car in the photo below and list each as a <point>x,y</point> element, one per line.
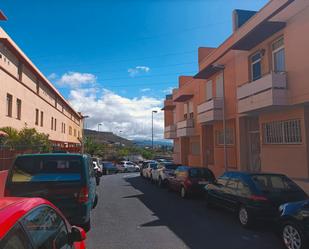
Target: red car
<point>32,223</point>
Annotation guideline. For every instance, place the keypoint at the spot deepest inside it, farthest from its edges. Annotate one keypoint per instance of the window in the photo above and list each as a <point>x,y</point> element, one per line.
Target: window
<point>46,228</point>
<point>282,132</point>
<point>74,132</point>
<point>278,54</point>
<point>18,109</point>
<point>229,137</point>
<point>256,67</point>
<point>15,239</point>
<point>63,127</point>
<point>9,105</point>
<point>55,124</point>
<point>42,119</point>
<point>36,116</point>
<point>70,130</point>
<point>219,86</point>
<point>52,123</point>
<point>209,90</point>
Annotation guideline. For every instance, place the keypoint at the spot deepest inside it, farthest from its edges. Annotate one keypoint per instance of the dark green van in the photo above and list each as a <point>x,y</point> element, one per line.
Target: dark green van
<point>66,180</point>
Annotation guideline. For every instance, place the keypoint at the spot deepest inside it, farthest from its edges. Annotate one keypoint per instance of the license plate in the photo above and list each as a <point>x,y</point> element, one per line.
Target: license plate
<point>202,182</point>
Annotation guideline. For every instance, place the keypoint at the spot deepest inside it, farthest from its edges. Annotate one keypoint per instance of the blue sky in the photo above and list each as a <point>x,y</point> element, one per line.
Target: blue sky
<point>128,48</point>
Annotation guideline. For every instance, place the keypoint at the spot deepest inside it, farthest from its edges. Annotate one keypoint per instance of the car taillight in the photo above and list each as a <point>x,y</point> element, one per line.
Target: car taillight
<point>188,182</point>
<point>258,198</point>
<point>83,195</point>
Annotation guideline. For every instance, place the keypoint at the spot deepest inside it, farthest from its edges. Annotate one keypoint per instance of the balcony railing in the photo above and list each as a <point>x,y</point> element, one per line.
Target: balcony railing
<point>170,132</point>
<point>268,91</point>
<point>185,128</point>
<point>210,111</point>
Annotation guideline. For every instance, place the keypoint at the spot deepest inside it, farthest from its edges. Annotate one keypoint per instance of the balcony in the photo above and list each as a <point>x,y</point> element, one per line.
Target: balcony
<point>266,92</point>
<point>170,132</point>
<point>210,111</point>
<point>185,128</point>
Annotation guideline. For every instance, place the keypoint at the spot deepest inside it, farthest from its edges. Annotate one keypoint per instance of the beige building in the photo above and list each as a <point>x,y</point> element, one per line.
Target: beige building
<point>27,98</point>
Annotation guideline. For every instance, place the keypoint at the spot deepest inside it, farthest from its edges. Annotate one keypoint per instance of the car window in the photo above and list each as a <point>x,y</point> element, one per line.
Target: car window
<point>153,165</point>
<point>201,173</point>
<point>46,229</point>
<point>170,166</point>
<point>222,180</point>
<point>46,169</point>
<point>243,188</point>
<point>274,183</point>
<point>15,239</point>
<point>232,183</point>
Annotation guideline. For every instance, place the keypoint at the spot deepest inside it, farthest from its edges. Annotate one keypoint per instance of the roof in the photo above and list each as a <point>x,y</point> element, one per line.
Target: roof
<point>13,208</point>
<point>5,38</point>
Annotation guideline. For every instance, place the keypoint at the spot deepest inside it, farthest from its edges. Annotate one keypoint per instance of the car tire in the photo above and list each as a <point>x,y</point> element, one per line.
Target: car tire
<point>292,236</point>
<point>87,226</point>
<point>244,217</point>
<point>183,193</point>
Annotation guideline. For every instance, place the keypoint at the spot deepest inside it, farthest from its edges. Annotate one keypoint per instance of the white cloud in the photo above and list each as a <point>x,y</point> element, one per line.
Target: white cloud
<point>76,79</point>
<point>138,70</point>
<point>52,76</point>
<point>168,90</point>
<point>145,90</point>
<point>116,113</point>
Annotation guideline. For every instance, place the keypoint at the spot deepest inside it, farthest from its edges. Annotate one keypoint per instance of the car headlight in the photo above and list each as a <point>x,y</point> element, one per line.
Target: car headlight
<point>281,208</point>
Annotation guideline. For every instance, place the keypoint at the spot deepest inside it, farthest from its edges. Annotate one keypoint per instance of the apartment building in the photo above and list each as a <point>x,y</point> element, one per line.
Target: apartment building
<point>247,107</point>
<point>28,99</point>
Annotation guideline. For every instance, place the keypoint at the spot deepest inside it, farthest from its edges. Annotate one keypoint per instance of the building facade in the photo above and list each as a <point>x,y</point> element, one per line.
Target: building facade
<point>247,107</point>
<point>28,99</point>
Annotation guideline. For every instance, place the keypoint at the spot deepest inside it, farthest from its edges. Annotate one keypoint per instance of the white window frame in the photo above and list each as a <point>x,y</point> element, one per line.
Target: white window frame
<point>276,51</point>
<point>276,133</point>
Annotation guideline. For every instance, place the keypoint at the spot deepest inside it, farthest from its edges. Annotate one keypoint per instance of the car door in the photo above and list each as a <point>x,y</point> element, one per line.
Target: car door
<point>172,178</point>
<point>46,229</point>
<point>230,193</point>
<point>16,238</point>
<point>216,190</point>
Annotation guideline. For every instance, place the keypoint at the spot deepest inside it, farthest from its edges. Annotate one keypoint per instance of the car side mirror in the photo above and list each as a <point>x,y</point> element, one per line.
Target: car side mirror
<point>77,234</point>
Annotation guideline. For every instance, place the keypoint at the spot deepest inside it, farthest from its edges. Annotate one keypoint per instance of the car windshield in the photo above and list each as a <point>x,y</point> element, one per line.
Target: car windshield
<point>274,183</point>
<point>47,169</point>
<point>153,165</point>
<point>200,173</point>
<point>108,165</point>
<point>170,166</point>
<point>129,163</point>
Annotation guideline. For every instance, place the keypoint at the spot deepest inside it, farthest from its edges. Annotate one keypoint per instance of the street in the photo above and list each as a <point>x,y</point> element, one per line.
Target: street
<point>132,213</point>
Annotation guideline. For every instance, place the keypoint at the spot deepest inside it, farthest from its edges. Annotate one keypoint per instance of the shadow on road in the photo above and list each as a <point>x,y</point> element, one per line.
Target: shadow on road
<point>197,226</point>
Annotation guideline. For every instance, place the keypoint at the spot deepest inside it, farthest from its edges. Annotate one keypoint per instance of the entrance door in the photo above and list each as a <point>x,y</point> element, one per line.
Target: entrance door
<point>209,144</point>
<point>254,144</point>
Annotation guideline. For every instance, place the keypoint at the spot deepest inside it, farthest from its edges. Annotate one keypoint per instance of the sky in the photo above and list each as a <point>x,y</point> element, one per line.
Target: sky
<point>115,60</point>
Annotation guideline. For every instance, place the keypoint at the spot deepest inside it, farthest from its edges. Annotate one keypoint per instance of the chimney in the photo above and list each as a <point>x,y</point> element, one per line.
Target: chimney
<point>2,16</point>
<point>240,17</point>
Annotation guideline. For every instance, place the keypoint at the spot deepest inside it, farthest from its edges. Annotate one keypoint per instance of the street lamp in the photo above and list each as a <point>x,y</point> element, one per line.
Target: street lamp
<point>152,128</point>
<point>83,132</point>
<point>221,68</point>
<point>99,127</point>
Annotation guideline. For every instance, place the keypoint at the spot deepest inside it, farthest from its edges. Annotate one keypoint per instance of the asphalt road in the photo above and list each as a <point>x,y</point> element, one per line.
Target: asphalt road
<point>132,213</point>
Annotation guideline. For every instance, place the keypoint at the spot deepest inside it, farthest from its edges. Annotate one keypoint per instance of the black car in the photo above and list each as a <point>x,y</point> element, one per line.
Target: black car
<point>294,224</point>
<point>253,195</point>
<point>66,180</point>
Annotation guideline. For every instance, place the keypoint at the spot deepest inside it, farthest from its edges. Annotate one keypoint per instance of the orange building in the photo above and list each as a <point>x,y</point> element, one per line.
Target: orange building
<point>247,107</point>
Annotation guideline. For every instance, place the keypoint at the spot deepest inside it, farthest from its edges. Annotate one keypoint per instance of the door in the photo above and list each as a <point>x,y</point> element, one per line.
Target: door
<point>208,138</point>
<point>254,144</point>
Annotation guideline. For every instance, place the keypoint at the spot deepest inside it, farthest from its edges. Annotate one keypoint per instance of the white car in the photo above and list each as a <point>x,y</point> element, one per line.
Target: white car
<point>162,172</point>
<point>126,166</point>
<point>147,169</point>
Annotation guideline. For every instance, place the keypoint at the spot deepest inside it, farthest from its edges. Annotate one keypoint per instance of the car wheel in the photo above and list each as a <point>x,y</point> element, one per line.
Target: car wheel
<point>244,217</point>
<point>292,236</point>
<point>183,193</point>
<point>87,226</point>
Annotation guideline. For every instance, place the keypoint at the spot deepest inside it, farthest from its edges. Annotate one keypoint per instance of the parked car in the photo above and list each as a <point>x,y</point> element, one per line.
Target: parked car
<point>151,165</point>
<point>190,180</point>
<point>253,195</point>
<point>294,224</point>
<point>144,165</point>
<point>66,180</point>
<point>162,172</point>
<point>109,168</point>
<point>36,223</point>
<point>126,166</point>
